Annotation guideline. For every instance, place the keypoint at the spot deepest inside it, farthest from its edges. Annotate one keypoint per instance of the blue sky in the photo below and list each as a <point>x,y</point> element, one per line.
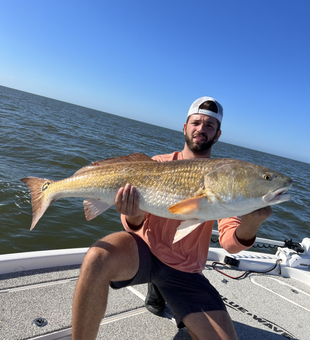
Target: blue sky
<point>149,60</point>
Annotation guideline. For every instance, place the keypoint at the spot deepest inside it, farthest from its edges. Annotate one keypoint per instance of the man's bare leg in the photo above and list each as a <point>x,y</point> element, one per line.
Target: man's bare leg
<point>213,325</point>
<point>113,258</point>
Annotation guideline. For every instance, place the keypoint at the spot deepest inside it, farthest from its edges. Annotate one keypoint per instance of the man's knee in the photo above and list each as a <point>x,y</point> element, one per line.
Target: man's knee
<point>95,259</point>
<point>110,256</point>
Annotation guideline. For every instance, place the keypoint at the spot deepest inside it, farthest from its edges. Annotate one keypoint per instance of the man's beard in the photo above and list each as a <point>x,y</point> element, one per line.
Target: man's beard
<point>201,147</point>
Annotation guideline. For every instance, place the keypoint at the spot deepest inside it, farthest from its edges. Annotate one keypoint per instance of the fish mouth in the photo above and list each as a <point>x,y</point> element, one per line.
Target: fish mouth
<point>277,196</point>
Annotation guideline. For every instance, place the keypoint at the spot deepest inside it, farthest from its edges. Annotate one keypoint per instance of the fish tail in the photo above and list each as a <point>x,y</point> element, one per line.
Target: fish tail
<point>40,199</point>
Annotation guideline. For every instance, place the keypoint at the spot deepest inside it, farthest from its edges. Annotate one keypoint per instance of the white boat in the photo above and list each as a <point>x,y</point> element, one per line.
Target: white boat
<point>36,292</point>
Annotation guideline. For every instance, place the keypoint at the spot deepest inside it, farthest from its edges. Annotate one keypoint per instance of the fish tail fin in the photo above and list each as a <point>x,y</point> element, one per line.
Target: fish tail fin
<point>40,200</point>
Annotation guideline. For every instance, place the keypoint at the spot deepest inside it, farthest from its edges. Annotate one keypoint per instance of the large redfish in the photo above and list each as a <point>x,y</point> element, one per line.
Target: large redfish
<point>193,191</point>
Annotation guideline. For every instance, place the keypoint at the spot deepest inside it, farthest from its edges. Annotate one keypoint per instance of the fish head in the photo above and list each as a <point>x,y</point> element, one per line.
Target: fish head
<point>278,184</point>
<point>236,182</point>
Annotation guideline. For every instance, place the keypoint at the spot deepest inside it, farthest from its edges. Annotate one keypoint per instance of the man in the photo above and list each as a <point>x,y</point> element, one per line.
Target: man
<point>144,253</point>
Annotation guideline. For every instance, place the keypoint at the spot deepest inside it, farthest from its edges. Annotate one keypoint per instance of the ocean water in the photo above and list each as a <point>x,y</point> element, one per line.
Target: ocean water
<point>47,138</point>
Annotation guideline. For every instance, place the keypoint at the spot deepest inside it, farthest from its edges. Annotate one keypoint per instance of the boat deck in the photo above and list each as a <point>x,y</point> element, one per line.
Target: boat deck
<point>261,306</point>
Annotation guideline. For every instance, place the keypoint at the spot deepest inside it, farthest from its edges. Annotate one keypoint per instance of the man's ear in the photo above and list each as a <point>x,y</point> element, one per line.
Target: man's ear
<point>217,136</point>
<point>184,129</point>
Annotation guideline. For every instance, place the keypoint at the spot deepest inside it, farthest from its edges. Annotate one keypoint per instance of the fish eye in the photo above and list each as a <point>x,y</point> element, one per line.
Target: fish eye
<point>267,177</point>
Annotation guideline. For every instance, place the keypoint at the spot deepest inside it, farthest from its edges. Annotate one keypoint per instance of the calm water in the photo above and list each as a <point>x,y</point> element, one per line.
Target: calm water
<point>47,138</point>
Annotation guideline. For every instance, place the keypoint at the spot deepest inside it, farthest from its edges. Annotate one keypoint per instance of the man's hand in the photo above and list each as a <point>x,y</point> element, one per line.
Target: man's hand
<point>127,203</point>
<point>247,230</point>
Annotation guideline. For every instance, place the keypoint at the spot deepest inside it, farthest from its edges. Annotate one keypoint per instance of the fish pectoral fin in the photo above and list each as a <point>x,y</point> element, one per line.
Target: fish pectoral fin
<point>94,207</point>
<point>185,228</point>
<point>186,207</point>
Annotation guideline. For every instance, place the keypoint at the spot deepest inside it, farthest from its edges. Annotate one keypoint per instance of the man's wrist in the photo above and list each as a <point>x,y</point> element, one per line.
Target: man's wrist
<point>247,242</point>
<point>135,223</point>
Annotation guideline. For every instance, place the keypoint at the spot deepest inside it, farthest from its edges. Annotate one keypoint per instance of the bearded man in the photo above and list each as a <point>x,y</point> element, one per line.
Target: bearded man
<point>145,252</point>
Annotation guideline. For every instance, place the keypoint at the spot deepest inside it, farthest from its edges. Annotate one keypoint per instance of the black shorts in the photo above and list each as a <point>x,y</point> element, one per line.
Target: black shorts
<point>185,293</point>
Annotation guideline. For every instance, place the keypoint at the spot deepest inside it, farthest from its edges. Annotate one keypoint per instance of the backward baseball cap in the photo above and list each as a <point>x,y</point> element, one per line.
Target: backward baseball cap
<point>195,108</point>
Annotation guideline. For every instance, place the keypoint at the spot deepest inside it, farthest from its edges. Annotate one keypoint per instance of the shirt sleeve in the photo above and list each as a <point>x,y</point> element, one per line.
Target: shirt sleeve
<point>228,239</point>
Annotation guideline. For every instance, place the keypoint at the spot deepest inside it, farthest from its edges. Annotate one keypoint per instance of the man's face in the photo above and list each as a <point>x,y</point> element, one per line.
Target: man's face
<point>201,132</point>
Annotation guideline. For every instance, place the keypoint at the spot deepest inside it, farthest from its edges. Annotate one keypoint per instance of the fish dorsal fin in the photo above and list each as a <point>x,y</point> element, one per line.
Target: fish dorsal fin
<point>187,207</point>
<point>134,157</point>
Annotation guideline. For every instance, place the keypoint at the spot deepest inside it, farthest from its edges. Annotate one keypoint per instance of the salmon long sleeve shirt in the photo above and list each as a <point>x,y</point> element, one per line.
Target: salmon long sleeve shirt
<point>190,253</point>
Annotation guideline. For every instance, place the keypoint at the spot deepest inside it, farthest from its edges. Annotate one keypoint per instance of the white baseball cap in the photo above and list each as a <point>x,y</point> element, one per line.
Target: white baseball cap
<point>197,103</point>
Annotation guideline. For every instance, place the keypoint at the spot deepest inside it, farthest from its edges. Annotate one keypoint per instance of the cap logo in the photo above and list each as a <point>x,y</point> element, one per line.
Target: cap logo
<point>205,112</point>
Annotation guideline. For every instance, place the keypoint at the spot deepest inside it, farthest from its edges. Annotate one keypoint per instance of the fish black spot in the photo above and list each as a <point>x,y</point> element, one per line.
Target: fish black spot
<point>45,185</point>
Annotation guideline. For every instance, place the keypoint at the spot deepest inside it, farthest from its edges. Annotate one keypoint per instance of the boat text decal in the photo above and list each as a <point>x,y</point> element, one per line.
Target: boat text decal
<point>271,325</point>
